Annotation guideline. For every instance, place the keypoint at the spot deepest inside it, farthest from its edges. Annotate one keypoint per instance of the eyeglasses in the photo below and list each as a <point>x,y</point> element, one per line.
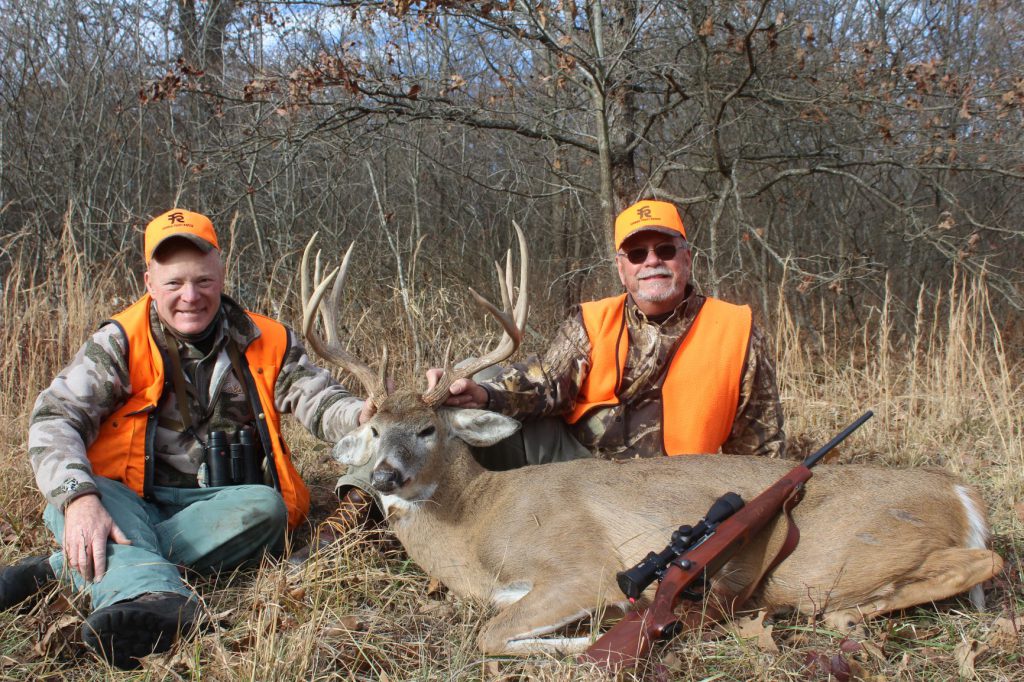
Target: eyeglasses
<point>666,251</point>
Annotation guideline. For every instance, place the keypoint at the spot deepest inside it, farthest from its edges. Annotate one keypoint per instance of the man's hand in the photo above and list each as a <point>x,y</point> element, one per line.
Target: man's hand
<point>464,392</point>
<point>87,525</point>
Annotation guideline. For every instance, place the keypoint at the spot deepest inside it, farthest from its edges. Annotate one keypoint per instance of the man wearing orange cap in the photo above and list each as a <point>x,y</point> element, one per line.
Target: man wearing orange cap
<point>159,447</point>
<point>660,369</point>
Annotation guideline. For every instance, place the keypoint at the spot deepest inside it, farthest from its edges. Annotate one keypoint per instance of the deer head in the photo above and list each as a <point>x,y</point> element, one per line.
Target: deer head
<point>412,438</point>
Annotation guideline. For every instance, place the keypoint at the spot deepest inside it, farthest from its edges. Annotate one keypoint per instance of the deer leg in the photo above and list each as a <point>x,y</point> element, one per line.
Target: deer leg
<point>519,628</point>
<point>943,574</point>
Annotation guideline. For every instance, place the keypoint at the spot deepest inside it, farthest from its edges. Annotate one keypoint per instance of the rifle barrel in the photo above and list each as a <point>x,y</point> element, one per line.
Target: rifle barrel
<point>815,457</point>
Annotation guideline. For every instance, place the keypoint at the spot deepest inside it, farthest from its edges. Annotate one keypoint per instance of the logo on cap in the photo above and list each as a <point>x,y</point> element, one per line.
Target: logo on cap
<point>175,218</point>
<point>644,213</point>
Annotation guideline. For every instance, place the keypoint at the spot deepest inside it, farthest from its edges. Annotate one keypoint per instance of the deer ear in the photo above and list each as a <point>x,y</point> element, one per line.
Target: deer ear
<point>480,427</point>
<point>353,449</point>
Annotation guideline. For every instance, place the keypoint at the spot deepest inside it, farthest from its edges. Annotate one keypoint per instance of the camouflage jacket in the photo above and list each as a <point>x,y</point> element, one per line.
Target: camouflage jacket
<point>67,414</point>
<point>540,387</point>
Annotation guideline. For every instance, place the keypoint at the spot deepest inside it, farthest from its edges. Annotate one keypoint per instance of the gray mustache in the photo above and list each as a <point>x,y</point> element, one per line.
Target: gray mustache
<point>655,272</point>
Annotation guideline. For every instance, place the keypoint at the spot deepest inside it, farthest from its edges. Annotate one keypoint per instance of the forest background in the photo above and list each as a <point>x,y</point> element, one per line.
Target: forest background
<point>852,169</point>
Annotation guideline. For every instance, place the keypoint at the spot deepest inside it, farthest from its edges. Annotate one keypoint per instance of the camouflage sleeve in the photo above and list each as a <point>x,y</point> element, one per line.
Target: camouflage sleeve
<point>758,428</point>
<point>549,386</point>
<point>67,415</point>
<point>325,407</point>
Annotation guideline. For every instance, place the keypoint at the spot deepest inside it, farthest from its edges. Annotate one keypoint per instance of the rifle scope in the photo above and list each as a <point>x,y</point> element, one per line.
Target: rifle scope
<point>635,580</point>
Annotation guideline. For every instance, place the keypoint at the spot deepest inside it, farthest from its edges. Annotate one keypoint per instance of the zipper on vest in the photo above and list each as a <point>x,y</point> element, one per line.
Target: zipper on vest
<point>150,456</point>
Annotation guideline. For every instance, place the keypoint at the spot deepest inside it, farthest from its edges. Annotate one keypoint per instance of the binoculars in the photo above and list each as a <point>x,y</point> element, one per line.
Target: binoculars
<point>233,460</point>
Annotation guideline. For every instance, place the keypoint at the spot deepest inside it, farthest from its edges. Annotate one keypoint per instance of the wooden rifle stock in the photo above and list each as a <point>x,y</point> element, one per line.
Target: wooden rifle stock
<point>631,639</point>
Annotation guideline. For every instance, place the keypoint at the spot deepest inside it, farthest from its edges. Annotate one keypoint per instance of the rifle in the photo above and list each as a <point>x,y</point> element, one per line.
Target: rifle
<point>694,555</point>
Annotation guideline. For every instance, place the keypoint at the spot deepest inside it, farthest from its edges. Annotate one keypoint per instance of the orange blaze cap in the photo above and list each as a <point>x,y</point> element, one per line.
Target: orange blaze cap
<point>659,216</point>
<point>177,222</point>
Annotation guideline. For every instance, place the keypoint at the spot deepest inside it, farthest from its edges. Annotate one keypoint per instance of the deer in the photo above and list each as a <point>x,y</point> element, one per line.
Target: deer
<point>542,544</point>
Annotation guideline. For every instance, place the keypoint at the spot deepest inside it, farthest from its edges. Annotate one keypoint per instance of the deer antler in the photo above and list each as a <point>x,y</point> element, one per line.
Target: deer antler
<point>512,319</point>
<point>331,348</point>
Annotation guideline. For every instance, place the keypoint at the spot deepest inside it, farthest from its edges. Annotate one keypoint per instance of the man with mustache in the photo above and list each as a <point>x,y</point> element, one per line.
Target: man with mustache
<point>658,370</point>
<point>159,447</point>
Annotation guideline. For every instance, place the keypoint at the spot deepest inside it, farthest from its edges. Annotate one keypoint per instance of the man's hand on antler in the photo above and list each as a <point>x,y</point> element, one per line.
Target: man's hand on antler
<point>462,392</point>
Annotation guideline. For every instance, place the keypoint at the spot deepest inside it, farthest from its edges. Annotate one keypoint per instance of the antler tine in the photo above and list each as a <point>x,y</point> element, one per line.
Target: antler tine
<point>304,283</point>
<point>512,319</point>
<point>331,349</point>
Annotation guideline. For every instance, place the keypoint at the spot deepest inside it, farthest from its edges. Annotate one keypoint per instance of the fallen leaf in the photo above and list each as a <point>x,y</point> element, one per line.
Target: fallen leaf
<point>59,633</point>
<point>1019,508</point>
<point>7,532</point>
<point>344,626</point>
<point>672,661</point>
<point>966,653</point>
<point>297,593</point>
<point>435,586</point>
<point>876,651</point>
<point>849,646</point>
<point>839,668</point>
<point>753,627</point>
<point>7,662</point>
<point>816,662</point>
<point>1004,634</point>
<point>491,670</point>
<point>911,632</point>
<point>439,609</point>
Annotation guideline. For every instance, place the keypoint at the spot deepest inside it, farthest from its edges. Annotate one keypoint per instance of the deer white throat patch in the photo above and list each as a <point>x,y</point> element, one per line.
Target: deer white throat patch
<point>401,504</point>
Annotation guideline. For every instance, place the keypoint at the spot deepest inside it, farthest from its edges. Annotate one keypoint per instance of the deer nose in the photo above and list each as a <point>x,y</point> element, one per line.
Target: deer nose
<point>386,479</point>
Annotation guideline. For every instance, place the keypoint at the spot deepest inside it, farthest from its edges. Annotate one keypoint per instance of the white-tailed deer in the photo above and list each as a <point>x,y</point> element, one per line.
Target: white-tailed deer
<point>543,543</point>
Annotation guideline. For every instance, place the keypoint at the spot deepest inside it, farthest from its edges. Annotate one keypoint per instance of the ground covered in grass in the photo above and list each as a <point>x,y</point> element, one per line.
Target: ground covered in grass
<point>948,394</point>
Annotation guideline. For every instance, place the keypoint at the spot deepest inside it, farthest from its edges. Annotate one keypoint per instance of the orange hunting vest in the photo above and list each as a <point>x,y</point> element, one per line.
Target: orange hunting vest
<point>701,391</point>
<point>123,449</point>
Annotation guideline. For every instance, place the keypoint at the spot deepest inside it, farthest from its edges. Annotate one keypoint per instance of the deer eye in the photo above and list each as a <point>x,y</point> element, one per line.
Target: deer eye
<point>373,431</point>
<point>429,431</point>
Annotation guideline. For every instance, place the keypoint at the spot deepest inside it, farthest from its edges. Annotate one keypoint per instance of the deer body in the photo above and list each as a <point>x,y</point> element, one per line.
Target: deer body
<point>543,543</point>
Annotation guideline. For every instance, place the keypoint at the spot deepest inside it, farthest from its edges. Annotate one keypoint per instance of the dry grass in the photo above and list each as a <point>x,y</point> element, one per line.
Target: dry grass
<point>948,394</point>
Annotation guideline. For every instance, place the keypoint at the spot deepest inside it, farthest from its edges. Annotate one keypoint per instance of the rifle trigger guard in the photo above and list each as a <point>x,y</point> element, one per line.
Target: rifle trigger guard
<point>690,595</point>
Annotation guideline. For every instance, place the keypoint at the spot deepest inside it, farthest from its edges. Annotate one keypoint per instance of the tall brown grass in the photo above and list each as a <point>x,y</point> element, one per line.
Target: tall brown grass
<point>946,393</point>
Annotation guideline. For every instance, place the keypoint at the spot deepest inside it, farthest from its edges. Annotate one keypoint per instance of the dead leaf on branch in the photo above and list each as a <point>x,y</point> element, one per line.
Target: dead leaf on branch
<point>456,82</point>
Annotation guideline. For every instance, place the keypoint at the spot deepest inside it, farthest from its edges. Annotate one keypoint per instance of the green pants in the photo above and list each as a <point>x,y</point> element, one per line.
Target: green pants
<point>538,442</point>
<point>204,529</point>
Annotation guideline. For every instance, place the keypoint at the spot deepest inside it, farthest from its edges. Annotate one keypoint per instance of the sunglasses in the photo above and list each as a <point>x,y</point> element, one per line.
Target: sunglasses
<point>666,252</point>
